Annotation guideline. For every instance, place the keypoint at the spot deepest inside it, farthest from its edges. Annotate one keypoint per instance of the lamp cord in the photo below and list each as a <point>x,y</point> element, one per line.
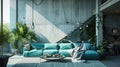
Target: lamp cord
<point>32,16</point>
<point>64,12</point>
<point>38,3</point>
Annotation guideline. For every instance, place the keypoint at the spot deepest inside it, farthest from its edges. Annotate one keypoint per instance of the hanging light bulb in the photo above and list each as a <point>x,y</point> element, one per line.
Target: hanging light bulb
<point>80,27</point>
<point>86,25</point>
<point>67,22</point>
<point>33,26</point>
<point>78,23</point>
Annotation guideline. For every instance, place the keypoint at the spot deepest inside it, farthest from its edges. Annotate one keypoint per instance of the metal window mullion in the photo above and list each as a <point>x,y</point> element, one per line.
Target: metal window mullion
<point>16,11</point>
<point>1,17</point>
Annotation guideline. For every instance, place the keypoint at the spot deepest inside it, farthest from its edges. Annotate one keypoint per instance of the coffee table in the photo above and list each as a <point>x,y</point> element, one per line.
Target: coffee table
<point>60,57</point>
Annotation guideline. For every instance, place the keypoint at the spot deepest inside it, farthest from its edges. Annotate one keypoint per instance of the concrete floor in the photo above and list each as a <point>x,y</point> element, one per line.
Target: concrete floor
<point>111,61</point>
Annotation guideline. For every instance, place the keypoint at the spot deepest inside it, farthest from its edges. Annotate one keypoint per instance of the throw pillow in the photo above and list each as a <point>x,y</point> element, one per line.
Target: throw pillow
<point>78,51</point>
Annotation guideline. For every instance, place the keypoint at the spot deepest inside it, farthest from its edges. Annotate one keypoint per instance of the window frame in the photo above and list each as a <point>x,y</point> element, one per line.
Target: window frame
<point>1,22</point>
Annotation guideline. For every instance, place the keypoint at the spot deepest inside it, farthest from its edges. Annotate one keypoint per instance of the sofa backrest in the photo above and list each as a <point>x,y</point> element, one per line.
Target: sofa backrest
<point>44,45</point>
<point>37,45</point>
<point>50,46</point>
<point>90,46</point>
<point>65,46</point>
<point>76,44</point>
<point>61,46</point>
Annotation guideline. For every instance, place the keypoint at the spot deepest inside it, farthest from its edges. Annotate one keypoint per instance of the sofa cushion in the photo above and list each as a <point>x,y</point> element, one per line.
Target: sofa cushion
<point>91,54</point>
<point>25,53</point>
<point>50,52</point>
<point>66,53</point>
<point>76,44</point>
<point>37,45</point>
<point>51,46</point>
<point>64,46</point>
<point>35,53</point>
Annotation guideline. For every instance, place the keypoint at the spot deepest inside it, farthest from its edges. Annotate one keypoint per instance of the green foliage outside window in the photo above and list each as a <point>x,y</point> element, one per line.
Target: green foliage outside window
<point>23,35</point>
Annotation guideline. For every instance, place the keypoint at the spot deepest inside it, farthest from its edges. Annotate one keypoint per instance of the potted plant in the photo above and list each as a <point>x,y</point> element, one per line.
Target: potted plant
<point>22,36</point>
<point>91,32</point>
<point>5,37</point>
<point>101,48</point>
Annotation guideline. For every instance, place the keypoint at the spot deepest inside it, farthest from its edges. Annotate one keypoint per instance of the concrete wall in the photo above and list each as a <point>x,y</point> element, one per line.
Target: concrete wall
<point>111,21</point>
<point>55,19</point>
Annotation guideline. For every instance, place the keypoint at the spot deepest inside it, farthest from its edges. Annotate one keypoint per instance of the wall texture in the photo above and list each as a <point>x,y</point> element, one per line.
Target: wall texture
<point>55,19</point>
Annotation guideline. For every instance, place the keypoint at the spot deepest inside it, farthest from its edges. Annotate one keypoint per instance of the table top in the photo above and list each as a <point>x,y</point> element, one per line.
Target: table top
<point>53,58</point>
<point>60,57</point>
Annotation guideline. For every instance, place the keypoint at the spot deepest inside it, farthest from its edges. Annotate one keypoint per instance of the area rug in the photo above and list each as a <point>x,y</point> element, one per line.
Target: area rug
<point>19,61</point>
<point>93,63</point>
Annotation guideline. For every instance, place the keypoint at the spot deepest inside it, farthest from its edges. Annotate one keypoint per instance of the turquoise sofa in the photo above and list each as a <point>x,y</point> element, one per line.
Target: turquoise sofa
<point>39,49</point>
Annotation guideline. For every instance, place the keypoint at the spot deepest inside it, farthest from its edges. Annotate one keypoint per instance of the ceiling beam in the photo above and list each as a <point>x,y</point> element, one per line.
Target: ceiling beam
<point>108,4</point>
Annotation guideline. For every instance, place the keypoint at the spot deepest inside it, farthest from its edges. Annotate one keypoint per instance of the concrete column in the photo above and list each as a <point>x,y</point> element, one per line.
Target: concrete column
<point>99,32</point>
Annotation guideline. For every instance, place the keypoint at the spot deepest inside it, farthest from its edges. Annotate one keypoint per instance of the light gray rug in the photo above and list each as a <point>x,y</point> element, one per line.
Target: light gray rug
<point>93,63</point>
<point>62,64</point>
<point>19,61</point>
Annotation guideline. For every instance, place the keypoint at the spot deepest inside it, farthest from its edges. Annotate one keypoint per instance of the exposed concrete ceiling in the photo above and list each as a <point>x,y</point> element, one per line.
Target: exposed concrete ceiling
<point>113,10</point>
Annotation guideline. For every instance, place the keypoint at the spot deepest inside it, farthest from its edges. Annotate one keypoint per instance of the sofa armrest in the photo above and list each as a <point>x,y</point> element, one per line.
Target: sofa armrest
<point>26,47</point>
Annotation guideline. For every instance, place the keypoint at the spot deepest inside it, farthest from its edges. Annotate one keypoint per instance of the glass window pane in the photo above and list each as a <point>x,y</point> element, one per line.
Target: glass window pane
<point>6,11</point>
